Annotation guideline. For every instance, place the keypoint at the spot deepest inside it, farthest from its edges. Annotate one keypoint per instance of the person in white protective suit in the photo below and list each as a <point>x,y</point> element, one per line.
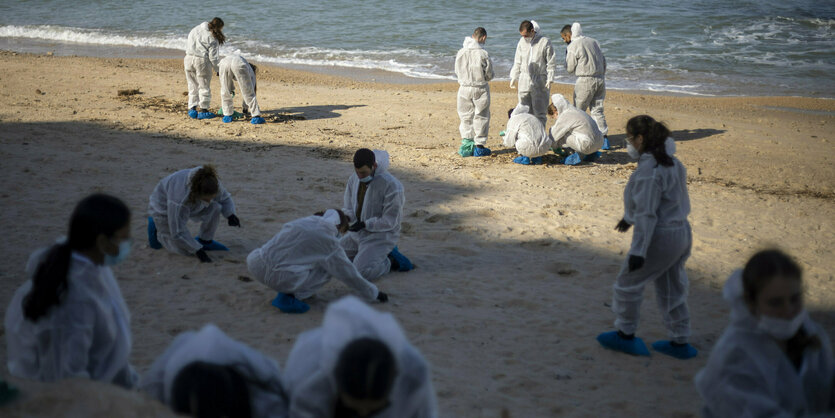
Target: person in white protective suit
<point>528,136</point>
<point>237,68</point>
<point>304,256</point>
<point>574,129</point>
<point>534,69</point>
<point>772,360</point>
<point>584,59</point>
<point>474,69</point>
<point>657,204</point>
<point>201,61</point>
<point>373,202</point>
<point>69,319</point>
<point>206,370</point>
<point>358,363</point>
<point>193,193</point>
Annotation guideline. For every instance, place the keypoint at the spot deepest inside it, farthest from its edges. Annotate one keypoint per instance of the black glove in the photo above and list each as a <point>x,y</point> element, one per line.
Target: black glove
<point>357,226</point>
<point>204,258</point>
<point>623,226</point>
<point>234,221</point>
<point>635,262</point>
<point>382,297</point>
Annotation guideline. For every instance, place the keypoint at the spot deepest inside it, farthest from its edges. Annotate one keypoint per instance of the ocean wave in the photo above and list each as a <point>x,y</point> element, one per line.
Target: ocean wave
<point>90,36</point>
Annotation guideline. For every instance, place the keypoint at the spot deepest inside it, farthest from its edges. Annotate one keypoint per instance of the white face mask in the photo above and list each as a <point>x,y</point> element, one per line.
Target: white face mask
<point>632,151</point>
<point>367,179</point>
<point>124,250</point>
<point>781,329</point>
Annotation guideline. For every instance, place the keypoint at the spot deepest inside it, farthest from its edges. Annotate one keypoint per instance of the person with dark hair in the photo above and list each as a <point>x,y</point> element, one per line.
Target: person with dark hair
<point>584,58</point>
<point>656,202</point>
<point>534,69</point>
<point>202,59</point>
<point>528,136</point>
<point>358,363</point>
<point>237,68</point>
<point>772,360</point>
<point>193,193</point>
<point>69,319</point>
<point>303,257</point>
<point>373,201</point>
<point>574,129</point>
<point>474,70</point>
<point>206,373</point>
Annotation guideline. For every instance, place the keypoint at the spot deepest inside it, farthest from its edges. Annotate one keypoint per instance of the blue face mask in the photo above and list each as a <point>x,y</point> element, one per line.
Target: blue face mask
<point>124,250</point>
<point>367,179</point>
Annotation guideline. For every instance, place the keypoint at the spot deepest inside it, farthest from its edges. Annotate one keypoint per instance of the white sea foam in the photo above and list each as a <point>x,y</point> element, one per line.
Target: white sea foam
<point>89,36</point>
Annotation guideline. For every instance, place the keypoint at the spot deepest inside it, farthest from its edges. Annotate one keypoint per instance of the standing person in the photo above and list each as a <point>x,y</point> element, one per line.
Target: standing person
<point>656,202</point>
<point>584,58</point>
<point>528,136</point>
<point>237,68</point>
<point>303,257</point>
<point>534,69</point>
<point>201,61</point>
<point>373,201</point>
<point>358,363</point>
<point>69,319</point>
<point>193,193</point>
<point>772,360</point>
<point>574,129</point>
<point>474,69</point>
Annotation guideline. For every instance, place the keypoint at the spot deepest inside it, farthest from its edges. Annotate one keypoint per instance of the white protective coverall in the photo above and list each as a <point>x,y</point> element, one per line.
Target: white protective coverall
<point>309,372</point>
<point>526,133</point>
<point>382,211</point>
<point>585,59</point>
<point>86,335</point>
<point>748,374</point>
<point>211,345</point>
<point>201,61</point>
<point>534,69</point>
<point>656,204</point>
<point>304,256</point>
<point>474,69</point>
<point>171,210</point>
<point>574,128</point>
<point>236,68</point>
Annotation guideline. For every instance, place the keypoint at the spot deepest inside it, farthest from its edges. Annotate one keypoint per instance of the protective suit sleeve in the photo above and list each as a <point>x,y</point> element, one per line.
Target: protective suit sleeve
<point>646,197</point>
<point>550,62</point>
<point>560,129</point>
<point>214,56</point>
<point>392,211</point>
<point>178,225</point>
<point>227,205</point>
<point>488,69</point>
<point>738,393</point>
<point>517,64</point>
<point>338,265</point>
<point>571,60</point>
<point>69,356</point>
<point>348,203</point>
<point>509,139</point>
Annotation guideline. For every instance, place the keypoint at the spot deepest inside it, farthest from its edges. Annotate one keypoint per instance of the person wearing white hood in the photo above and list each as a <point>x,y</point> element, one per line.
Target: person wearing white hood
<point>528,136</point>
<point>772,360</point>
<point>303,257</point>
<point>574,129</point>
<point>656,202</point>
<point>206,371</point>
<point>237,68</point>
<point>534,69</point>
<point>373,201</point>
<point>584,58</point>
<point>201,61</point>
<point>474,69</point>
<point>358,363</point>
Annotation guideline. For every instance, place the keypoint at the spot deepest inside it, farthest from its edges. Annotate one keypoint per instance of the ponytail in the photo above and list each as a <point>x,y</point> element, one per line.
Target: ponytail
<point>49,282</point>
<point>216,27</point>
<point>654,136</point>
<point>203,182</point>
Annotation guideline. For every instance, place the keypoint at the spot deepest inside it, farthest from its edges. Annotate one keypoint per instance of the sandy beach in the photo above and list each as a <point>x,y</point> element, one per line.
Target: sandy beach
<point>515,264</point>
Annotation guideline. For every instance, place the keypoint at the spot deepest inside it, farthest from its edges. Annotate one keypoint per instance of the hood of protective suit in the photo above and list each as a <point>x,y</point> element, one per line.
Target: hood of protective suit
<point>576,31</point>
<point>741,316</point>
<point>520,109</point>
<point>471,43</point>
<point>560,102</point>
<point>535,28</point>
<point>382,159</point>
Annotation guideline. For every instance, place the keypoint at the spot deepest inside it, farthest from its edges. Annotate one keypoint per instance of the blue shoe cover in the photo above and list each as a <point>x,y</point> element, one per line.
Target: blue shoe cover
<point>153,242</point>
<point>681,352</point>
<point>536,160</point>
<point>613,341</point>
<point>213,246</point>
<point>192,113</point>
<point>605,143</point>
<point>405,263</point>
<point>481,152</point>
<point>522,160</point>
<point>227,119</point>
<point>288,304</point>
<point>592,157</point>
<point>572,159</point>
<point>206,115</point>
<point>257,120</point>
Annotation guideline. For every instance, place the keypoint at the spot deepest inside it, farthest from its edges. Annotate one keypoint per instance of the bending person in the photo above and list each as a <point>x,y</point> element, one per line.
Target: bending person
<point>574,129</point>
<point>194,193</point>
<point>304,256</point>
<point>236,68</point>
<point>772,360</point>
<point>206,373</point>
<point>474,69</point>
<point>357,363</point>
<point>201,61</point>
<point>584,58</point>
<point>69,319</point>
<point>656,202</point>
<point>534,69</point>
<point>526,134</point>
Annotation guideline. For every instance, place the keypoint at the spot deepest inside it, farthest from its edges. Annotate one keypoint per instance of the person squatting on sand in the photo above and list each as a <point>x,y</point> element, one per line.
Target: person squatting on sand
<point>527,134</point>
<point>237,68</point>
<point>193,193</point>
<point>656,203</point>
<point>474,70</point>
<point>584,58</point>
<point>534,69</point>
<point>574,129</point>
<point>201,61</point>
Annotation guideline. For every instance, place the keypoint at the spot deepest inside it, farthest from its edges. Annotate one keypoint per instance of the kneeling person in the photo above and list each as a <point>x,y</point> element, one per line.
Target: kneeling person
<point>527,134</point>
<point>574,129</point>
<point>236,68</point>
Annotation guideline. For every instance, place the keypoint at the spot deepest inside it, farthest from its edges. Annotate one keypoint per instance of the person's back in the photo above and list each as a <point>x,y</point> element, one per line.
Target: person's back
<point>584,57</point>
<point>526,133</point>
<point>473,67</point>
<point>200,42</point>
<point>671,181</point>
<point>301,243</point>
<point>574,128</point>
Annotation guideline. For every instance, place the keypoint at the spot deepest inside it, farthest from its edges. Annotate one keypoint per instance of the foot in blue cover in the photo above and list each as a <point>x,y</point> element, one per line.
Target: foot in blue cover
<point>257,120</point>
<point>206,115</point>
<point>605,143</point>
<point>399,262</point>
<point>481,151</point>
<point>634,346</point>
<point>572,159</point>
<point>192,113</point>
<point>522,160</point>
<point>592,157</point>
<point>536,160</point>
<point>679,351</point>
<point>227,119</point>
<point>289,304</point>
<point>211,245</point>
<point>153,242</point>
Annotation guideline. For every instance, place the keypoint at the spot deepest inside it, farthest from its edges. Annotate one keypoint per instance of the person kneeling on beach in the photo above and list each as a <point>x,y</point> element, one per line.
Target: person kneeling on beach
<point>357,364</point>
<point>236,68</point>
<point>527,134</point>
<point>193,193</point>
<point>303,256</point>
<point>201,61</point>
<point>474,69</point>
<point>574,129</point>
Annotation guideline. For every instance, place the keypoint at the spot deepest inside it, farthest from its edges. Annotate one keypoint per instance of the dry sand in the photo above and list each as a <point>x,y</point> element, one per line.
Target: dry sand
<point>515,263</point>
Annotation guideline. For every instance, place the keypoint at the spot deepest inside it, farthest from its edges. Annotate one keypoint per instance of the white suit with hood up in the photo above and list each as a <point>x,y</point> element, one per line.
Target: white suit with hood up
<point>574,128</point>
<point>201,61</point>
<point>309,372</point>
<point>585,59</point>
<point>534,69</point>
<point>236,68</point>
<point>474,69</point>
<point>382,212</point>
<point>526,133</point>
<point>749,375</point>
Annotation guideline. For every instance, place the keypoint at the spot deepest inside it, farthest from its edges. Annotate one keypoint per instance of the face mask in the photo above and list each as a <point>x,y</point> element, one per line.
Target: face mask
<point>781,329</point>
<point>632,151</point>
<point>124,250</point>
<point>367,179</point>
